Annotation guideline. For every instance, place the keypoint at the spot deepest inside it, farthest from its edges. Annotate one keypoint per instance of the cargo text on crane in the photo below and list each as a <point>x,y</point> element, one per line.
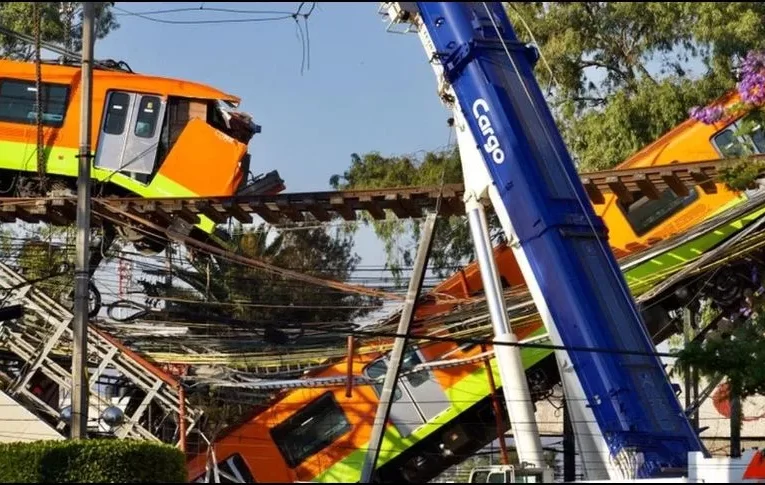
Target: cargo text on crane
<point>480,110</point>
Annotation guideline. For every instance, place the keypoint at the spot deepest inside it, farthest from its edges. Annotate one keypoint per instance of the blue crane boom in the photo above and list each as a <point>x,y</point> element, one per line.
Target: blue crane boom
<point>622,404</point>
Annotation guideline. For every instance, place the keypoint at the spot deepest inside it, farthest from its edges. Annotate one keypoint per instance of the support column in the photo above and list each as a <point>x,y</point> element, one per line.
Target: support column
<point>735,423</point>
<point>569,446</point>
<point>694,323</point>
<point>687,338</point>
<point>80,386</point>
<point>498,415</point>
<point>691,378</point>
<point>349,370</point>
<point>394,368</point>
<point>182,417</point>
<point>515,387</point>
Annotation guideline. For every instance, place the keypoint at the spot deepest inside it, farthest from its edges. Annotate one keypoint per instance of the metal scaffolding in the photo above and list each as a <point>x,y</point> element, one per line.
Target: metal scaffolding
<point>46,327</point>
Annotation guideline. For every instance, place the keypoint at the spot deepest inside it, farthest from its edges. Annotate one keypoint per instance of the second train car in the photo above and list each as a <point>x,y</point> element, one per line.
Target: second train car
<point>441,415</point>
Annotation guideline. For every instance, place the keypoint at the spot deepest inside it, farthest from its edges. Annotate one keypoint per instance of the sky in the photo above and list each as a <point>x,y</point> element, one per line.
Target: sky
<point>364,89</point>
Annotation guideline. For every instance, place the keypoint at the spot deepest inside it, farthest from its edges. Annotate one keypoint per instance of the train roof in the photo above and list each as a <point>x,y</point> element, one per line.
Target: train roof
<point>660,143</point>
<point>120,75</point>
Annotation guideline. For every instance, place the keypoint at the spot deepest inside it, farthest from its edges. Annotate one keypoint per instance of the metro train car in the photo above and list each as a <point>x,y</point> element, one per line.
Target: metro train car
<point>638,224</point>
<point>151,136</point>
<point>443,414</point>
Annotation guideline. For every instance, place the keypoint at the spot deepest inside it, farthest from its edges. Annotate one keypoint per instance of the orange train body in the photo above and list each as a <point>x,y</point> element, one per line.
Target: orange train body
<point>151,136</point>
<point>645,221</point>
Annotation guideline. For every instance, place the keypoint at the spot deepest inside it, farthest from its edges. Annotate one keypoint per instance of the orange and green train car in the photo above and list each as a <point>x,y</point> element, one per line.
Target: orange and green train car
<point>151,136</point>
<point>441,415</point>
<point>634,226</point>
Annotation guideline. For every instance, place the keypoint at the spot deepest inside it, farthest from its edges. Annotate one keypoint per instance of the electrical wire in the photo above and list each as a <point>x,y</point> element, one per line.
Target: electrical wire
<point>202,8</point>
<point>717,262</point>
<point>276,16</point>
<point>54,48</point>
<point>251,262</point>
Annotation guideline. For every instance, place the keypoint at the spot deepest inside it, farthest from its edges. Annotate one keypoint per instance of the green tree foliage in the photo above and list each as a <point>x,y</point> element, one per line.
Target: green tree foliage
<point>91,461</point>
<point>42,254</point>
<point>735,353</point>
<point>45,256</point>
<point>618,72</point>
<point>19,17</point>
<point>218,288</point>
<point>452,244</point>
<point>738,354</point>
<point>601,139</point>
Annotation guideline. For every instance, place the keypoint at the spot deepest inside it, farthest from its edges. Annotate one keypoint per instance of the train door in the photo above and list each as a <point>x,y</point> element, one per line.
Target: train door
<point>130,134</point>
<point>403,412</point>
<point>424,388</point>
<point>418,396</point>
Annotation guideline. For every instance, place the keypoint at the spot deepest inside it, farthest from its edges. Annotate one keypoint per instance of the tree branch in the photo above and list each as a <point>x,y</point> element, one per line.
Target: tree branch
<point>641,68</point>
<point>590,99</point>
<point>611,68</point>
<point>585,64</point>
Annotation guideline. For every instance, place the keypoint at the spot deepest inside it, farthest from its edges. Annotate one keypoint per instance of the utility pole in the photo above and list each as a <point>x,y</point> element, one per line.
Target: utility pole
<point>569,446</point>
<point>399,344</point>
<point>80,386</point>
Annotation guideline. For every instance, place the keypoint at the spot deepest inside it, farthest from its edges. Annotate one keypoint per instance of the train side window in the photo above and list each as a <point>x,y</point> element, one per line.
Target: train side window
<point>645,214</point>
<point>148,114</point>
<point>117,112</point>
<point>18,102</point>
<point>728,143</point>
<point>498,477</point>
<point>758,138</point>
<point>479,476</point>
<point>231,470</point>
<point>732,141</point>
<point>529,478</point>
<point>235,470</point>
<point>410,361</point>
<point>310,430</point>
<point>377,370</point>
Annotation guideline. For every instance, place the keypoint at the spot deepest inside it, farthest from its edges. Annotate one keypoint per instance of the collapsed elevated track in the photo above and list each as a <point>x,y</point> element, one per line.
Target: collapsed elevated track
<point>166,218</point>
<point>407,202</point>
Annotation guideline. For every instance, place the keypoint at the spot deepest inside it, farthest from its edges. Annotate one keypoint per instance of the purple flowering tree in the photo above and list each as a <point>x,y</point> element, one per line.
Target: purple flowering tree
<point>751,90</point>
<point>742,175</point>
<point>752,84</point>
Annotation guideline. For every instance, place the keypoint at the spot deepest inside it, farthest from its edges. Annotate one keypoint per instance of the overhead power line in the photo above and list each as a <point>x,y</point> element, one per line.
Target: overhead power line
<point>207,9</point>
<point>276,15</point>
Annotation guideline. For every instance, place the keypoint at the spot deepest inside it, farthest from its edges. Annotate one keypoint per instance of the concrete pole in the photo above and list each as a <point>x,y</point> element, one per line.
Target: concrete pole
<point>391,376</point>
<point>82,275</point>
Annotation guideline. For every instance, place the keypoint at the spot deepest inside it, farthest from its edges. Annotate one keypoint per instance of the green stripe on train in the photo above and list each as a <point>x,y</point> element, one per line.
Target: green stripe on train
<point>644,276</point>
<point>63,161</point>
<point>475,386</point>
<point>461,395</point>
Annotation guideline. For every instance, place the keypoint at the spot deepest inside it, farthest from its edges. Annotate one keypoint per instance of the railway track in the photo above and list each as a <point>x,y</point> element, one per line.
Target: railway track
<point>406,202</point>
